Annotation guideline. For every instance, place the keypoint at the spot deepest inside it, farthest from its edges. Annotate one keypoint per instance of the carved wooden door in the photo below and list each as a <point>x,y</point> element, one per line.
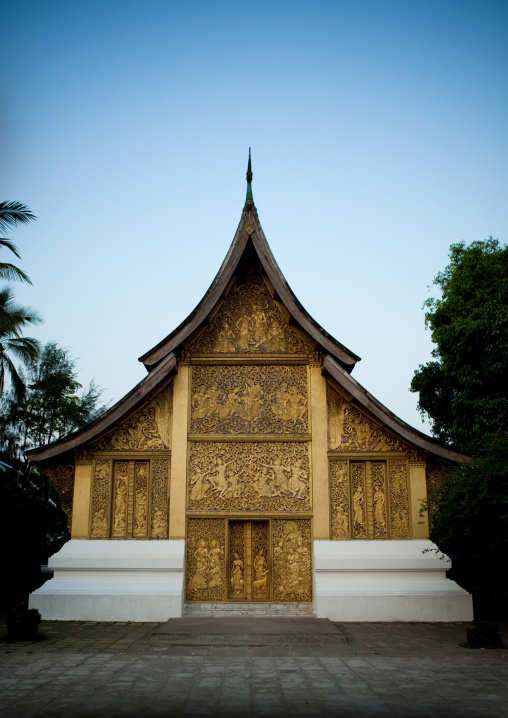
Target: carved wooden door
<point>249,561</point>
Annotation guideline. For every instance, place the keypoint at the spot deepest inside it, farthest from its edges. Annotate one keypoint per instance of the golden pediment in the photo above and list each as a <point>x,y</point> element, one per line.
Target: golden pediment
<point>350,430</point>
<point>149,429</point>
<point>249,322</point>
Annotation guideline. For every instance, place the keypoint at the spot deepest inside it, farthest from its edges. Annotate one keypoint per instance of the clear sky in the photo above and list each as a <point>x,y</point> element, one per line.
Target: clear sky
<point>379,137</point>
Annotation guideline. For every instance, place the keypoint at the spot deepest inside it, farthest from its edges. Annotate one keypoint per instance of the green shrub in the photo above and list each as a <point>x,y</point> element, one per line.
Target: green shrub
<point>22,622</point>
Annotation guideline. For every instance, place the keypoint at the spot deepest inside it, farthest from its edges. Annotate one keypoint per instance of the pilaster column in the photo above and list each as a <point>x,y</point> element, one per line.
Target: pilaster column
<point>418,493</point>
<point>179,453</point>
<point>319,429</point>
<point>82,496</point>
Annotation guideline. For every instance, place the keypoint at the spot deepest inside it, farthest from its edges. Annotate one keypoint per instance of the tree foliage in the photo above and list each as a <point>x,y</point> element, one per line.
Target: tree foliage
<point>464,391</point>
<point>51,408</point>
<point>12,214</point>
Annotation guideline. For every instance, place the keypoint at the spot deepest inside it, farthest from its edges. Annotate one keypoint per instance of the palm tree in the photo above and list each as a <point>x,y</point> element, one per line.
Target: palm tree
<point>13,318</point>
<point>12,214</point>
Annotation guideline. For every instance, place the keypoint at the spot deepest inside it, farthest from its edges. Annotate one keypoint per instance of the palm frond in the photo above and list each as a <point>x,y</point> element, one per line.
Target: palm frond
<point>10,245</point>
<point>24,348</point>
<point>13,317</point>
<point>17,383</point>
<point>12,273</point>
<point>14,213</point>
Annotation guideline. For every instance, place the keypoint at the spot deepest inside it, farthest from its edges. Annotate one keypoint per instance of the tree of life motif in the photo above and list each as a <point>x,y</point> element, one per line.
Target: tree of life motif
<point>249,322</point>
<point>249,400</point>
<point>100,500</point>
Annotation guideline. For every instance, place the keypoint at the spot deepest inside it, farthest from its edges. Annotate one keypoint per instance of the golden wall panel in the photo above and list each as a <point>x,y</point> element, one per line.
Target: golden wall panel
<point>206,563</point>
<point>249,323</point>
<point>350,430</point>
<point>62,476</point>
<point>160,499</point>
<point>141,487</point>
<point>149,429</point>
<point>399,499</point>
<point>292,562</point>
<point>249,400</point>
<point>340,500</point>
<point>249,476</point>
<point>358,493</point>
<point>378,509</point>
<point>120,498</point>
<point>237,587</point>
<point>101,498</point>
<point>260,560</point>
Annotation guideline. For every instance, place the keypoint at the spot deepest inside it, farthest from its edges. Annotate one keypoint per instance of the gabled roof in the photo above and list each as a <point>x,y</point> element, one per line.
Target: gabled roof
<point>161,361</point>
<point>250,229</point>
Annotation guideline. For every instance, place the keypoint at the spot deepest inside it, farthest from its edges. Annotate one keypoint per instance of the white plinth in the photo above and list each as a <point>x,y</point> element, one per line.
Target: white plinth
<point>114,581</point>
<point>386,581</point>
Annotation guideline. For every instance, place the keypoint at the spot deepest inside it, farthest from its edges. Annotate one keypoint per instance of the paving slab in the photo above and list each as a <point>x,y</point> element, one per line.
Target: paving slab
<point>251,667</point>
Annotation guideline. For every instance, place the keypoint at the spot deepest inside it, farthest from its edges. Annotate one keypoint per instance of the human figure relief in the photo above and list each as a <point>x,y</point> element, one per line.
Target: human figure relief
<point>357,506</point>
<point>296,407</point>
<point>140,512</point>
<point>379,507</point>
<point>199,403</point>
<point>253,401</point>
<point>259,328</point>
<point>219,477</point>
<point>280,407</point>
<point>159,524</point>
<point>297,482</point>
<point>236,580</point>
<point>260,572</point>
<point>120,506</point>
<point>215,573</point>
<point>199,580</point>
<point>199,485</point>
<point>234,484</point>
<point>244,326</point>
<point>263,483</point>
<point>280,482</point>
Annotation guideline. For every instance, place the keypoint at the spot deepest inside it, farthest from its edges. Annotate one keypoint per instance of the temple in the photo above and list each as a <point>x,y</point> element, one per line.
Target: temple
<point>248,473</point>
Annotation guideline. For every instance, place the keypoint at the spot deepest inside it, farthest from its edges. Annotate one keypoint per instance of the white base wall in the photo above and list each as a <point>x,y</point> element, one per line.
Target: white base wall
<point>114,581</point>
<point>386,581</point>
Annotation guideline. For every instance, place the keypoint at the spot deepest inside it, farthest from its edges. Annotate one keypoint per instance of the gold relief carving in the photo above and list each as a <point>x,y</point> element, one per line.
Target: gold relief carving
<point>358,492</point>
<point>148,429</point>
<point>379,499</point>
<point>349,430</point>
<point>434,475</point>
<point>399,499</point>
<point>206,567</point>
<point>63,478</point>
<point>292,566</point>
<point>249,225</point>
<point>254,476</point>
<point>121,492</point>
<point>249,323</point>
<point>160,493</point>
<point>100,500</point>
<point>141,478</point>
<point>237,588</point>
<point>261,554</point>
<point>339,499</point>
<point>249,400</point>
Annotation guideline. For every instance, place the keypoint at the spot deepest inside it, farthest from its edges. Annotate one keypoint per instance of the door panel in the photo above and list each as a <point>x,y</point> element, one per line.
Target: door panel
<point>249,561</point>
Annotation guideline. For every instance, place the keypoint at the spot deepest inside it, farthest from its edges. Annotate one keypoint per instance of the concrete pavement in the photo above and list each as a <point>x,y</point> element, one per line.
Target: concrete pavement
<point>251,667</point>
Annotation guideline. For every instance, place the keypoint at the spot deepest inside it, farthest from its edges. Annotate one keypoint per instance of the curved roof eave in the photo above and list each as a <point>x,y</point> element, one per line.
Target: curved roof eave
<point>128,403</point>
<point>199,315</point>
<point>363,397</point>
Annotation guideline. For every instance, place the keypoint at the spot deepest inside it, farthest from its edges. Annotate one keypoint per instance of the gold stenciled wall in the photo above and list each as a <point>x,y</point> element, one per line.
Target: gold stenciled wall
<point>249,453</point>
<point>131,475</point>
<point>368,476</point>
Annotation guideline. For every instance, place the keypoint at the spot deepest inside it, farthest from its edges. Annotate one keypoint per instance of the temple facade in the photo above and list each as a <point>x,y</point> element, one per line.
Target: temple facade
<point>248,472</point>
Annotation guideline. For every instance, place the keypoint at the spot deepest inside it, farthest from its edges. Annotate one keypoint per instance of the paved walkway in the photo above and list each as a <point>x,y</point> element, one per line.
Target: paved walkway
<point>251,667</point>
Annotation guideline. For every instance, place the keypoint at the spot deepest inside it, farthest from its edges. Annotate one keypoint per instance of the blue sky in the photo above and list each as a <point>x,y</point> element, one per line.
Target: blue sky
<point>378,134</point>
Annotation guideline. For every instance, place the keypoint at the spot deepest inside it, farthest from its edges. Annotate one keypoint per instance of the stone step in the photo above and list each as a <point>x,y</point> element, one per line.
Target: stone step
<point>284,610</point>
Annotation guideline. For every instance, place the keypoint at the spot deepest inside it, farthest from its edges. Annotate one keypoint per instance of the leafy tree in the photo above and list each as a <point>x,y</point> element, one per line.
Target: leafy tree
<point>13,319</point>
<point>464,391</point>
<point>51,408</point>
<point>12,214</point>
